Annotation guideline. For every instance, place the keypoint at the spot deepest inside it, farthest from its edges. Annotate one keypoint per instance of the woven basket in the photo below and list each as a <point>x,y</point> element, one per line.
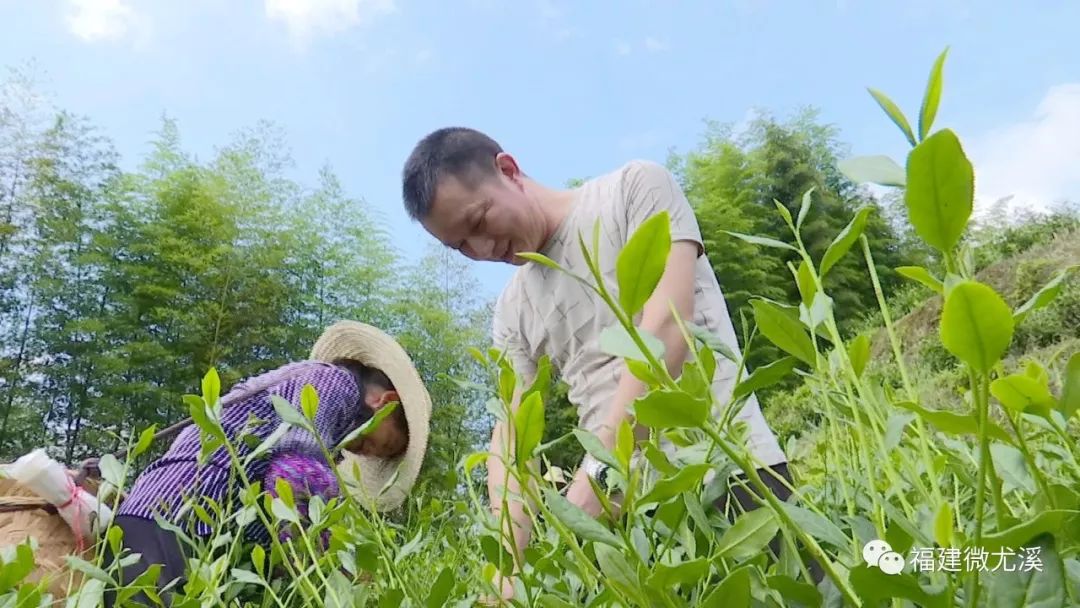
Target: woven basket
<point>23,515</point>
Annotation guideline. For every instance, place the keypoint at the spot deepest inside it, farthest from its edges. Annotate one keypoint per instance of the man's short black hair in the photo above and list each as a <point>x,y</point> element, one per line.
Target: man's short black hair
<point>464,153</point>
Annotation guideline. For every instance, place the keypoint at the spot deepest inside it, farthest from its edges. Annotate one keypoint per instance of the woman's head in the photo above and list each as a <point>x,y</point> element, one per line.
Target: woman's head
<point>391,437</point>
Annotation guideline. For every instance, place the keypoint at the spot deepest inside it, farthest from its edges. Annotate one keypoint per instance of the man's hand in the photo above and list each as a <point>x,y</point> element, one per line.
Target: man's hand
<point>582,495</point>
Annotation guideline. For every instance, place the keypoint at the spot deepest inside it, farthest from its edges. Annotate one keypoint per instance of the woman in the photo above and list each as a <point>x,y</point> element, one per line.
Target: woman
<point>356,370</point>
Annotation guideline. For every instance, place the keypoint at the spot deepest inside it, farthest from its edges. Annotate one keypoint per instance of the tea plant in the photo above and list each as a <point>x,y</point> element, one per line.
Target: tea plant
<point>955,493</point>
<point>983,483</point>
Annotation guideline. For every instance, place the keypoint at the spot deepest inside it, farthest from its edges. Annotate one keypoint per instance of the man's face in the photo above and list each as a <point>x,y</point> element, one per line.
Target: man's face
<point>492,221</point>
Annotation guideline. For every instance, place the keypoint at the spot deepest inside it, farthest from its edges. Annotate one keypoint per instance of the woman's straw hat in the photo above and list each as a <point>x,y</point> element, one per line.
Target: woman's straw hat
<point>379,482</point>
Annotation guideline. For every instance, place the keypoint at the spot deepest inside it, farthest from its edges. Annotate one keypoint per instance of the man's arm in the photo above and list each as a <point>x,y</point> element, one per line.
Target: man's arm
<point>675,289</point>
<point>651,189</point>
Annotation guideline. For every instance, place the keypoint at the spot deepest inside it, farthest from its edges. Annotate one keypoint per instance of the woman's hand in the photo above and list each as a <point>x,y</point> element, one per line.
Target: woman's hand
<point>506,593</point>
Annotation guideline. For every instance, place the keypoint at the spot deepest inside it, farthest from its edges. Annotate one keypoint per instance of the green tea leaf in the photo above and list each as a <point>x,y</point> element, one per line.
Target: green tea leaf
<point>616,341</point>
<point>1070,392</point>
<point>764,376</point>
<point>816,525</point>
<point>712,341</point>
<point>577,520</point>
<point>895,114</point>
<point>1036,371</point>
<point>111,470</point>
<point>1043,297</point>
<point>750,534</point>
<point>804,208</point>
<point>693,382</point>
<point>894,429</point>
<point>922,275</point>
<point>309,401</point>
<point>474,460</point>
<point>283,511</point>
<point>668,409</point>
<point>1064,524</point>
<point>943,525</point>
<point>77,563</point>
<point>624,444</point>
<point>874,586</point>
<point>615,567</point>
<point>785,214</point>
<point>859,353</point>
<point>877,169</point>
<point>288,412</point>
<point>940,190</point>
<point>642,260</point>
<point>1021,393</point>
<point>976,325</point>
<point>372,424</point>
<point>246,576</point>
<point>1038,582</point>
<point>685,480</point>
<point>734,590</point>
<point>686,573</point>
<point>644,372</point>
<point>145,439</point>
<point>659,460</point>
<point>528,427</point>
<point>495,552</point>
<point>440,591</point>
<point>794,591</point>
<point>539,258</point>
<point>1012,468</point>
<point>762,240</point>
<point>550,601</point>
<point>593,446</point>
<point>932,97</point>
<point>954,423</point>
<point>784,332</point>
<point>211,386</point>
<point>804,279</point>
<point>507,381</point>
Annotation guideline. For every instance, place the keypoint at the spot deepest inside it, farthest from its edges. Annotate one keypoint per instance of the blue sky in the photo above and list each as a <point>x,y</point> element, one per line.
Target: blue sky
<point>572,89</point>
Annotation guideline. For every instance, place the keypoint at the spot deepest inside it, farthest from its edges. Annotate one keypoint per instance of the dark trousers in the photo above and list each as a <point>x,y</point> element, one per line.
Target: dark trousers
<point>747,502</point>
<point>156,546</point>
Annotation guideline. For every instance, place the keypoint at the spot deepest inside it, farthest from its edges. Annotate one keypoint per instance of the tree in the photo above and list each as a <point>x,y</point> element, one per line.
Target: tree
<point>734,181</point>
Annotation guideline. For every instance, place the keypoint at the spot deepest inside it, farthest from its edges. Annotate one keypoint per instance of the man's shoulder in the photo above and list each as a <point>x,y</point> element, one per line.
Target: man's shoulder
<point>631,172</point>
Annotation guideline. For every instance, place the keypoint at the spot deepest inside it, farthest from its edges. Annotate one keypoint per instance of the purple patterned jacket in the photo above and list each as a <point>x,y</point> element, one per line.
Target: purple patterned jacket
<point>176,477</point>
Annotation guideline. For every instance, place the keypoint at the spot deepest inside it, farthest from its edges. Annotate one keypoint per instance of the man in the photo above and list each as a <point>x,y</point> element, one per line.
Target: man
<point>472,196</point>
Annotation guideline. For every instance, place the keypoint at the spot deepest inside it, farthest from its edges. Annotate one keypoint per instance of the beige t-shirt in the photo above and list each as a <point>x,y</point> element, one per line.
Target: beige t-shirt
<point>544,311</point>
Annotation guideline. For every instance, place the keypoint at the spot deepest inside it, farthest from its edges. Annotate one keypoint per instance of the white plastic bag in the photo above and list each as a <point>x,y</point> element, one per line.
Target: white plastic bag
<point>50,480</point>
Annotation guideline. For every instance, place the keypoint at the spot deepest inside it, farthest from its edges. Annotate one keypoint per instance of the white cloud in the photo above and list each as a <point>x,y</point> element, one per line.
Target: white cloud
<point>549,11</point>
<point>654,45</point>
<point>1035,161</point>
<point>643,142</point>
<point>306,19</point>
<point>651,44</point>
<point>102,20</point>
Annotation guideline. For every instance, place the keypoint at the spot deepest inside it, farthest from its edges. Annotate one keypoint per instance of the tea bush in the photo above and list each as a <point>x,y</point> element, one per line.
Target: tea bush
<point>977,497</point>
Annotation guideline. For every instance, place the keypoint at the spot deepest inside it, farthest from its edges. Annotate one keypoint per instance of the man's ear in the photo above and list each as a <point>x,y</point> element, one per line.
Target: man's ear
<point>508,166</point>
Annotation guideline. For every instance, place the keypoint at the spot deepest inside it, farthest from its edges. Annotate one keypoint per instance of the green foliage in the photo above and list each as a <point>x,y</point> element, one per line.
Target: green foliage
<point>992,465</point>
<point>121,287</point>
<point>735,182</point>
